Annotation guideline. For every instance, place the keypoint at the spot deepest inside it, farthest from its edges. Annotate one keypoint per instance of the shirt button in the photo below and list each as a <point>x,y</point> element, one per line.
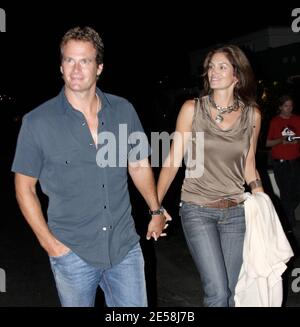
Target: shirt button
<point>102,123</point>
<point>104,207</point>
<point>110,227</point>
<point>67,162</point>
<point>103,185</point>
<point>104,228</point>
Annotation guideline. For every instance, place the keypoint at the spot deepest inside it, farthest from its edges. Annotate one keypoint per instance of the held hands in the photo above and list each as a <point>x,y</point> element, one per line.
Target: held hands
<point>157,224</point>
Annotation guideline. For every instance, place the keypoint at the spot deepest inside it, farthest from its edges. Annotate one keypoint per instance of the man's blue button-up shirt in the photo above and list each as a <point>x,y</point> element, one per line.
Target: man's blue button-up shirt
<point>89,208</point>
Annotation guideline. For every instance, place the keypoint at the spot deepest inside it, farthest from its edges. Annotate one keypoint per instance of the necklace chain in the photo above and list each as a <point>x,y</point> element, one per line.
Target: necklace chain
<point>223,110</point>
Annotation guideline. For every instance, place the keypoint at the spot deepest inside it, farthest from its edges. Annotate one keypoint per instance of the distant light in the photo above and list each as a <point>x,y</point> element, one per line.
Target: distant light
<point>5,97</point>
<point>264,95</point>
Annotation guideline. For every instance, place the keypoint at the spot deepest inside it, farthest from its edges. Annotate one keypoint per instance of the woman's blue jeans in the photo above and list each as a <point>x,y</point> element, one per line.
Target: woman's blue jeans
<point>123,284</point>
<point>215,238</point>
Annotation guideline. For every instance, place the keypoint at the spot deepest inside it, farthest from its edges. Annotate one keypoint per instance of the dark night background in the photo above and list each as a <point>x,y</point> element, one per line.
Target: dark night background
<point>143,42</point>
<point>147,46</point>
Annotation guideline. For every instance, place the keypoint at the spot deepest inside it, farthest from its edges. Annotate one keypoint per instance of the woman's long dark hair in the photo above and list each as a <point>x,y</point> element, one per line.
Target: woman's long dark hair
<point>245,89</point>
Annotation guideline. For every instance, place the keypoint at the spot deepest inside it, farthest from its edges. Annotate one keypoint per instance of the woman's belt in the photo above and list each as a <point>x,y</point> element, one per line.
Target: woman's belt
<point>222,203</point>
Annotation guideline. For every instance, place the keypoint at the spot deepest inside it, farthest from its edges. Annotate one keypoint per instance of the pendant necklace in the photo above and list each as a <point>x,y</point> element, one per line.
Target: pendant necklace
<point>223,110</point>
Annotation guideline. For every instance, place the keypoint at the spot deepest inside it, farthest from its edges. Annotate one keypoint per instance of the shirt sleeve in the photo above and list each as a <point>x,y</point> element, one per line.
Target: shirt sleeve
<point>138,142</point>
<point>28,156</point>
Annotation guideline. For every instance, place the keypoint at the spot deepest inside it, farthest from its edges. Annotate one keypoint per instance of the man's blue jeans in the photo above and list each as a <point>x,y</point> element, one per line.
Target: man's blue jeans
<point>215,238</point>
<point>123,284</point>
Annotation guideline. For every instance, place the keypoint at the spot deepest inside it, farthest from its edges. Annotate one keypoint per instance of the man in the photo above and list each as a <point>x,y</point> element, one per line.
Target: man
<point>90,237</point>
<point>286,158</point>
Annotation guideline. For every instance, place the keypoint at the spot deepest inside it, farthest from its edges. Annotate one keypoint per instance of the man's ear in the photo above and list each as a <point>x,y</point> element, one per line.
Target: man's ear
<point>61,70</point>
<point>99,70</point>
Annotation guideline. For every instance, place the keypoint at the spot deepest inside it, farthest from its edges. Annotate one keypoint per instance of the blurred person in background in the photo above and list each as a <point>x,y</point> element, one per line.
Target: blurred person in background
<point>285,152</point>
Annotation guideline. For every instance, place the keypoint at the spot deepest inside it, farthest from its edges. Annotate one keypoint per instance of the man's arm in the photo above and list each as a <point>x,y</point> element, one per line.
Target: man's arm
<point>142,176</point>
<point>31,209</point>
<point>280,140</point>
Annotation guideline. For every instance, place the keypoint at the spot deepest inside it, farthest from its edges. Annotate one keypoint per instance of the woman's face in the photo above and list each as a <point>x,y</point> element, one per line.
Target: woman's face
<point>221,73</point>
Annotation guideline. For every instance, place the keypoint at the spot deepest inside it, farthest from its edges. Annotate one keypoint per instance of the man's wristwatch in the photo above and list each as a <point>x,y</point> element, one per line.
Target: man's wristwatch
<point>157,212</point>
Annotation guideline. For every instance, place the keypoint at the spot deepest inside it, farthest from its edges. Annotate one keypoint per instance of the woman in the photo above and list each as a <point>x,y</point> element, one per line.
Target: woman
<point>212,212</point>
<point>286,158</point>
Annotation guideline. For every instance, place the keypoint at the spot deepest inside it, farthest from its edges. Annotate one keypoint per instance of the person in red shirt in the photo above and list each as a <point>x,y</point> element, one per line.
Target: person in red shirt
<point>286,157</point>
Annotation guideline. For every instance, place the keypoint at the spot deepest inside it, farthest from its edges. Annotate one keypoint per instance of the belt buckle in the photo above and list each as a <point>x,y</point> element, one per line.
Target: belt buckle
<point>227,203</point>
<point>231,203</point>
<point>224,203</point>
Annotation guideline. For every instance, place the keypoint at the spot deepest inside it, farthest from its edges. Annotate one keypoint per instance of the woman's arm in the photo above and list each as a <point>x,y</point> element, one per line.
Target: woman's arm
<point>178,147</point>
<point>252,177</point>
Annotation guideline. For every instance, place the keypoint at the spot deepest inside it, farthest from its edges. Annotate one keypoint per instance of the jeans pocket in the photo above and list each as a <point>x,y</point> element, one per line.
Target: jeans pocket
<point>58,257</point>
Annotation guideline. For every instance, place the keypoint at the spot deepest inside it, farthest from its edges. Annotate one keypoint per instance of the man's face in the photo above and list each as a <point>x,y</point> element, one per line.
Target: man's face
<point>79,66</point>
<point>287,108</point>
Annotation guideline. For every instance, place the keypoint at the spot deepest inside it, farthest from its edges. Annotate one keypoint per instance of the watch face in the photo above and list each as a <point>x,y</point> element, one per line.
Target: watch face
<point>156,212</point>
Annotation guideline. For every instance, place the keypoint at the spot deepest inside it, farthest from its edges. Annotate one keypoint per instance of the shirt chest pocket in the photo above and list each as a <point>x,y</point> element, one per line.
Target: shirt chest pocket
<point>66,172</point>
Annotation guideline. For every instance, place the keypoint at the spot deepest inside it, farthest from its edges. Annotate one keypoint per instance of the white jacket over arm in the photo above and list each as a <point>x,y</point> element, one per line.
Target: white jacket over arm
<point>265,254</point>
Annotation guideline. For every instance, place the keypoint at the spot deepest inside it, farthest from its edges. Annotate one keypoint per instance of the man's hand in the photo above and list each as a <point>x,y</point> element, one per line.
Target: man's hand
<point>157,225</point>
<point>284,140</point>
<point>56,249</point>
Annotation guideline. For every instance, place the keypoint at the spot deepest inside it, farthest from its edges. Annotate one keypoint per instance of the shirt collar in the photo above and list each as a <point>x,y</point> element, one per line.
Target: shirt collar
<point>67,107</point>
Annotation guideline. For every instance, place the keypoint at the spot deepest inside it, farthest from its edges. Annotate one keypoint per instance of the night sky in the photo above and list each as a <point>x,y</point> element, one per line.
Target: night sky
<point>143,43</point>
